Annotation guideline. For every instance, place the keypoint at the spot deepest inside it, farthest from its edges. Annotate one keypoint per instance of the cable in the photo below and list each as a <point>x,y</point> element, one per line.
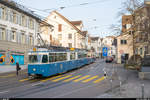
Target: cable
<point>82,4</point>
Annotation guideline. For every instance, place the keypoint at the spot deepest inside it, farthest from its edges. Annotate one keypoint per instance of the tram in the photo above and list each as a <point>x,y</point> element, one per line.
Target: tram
<point>47,63</point>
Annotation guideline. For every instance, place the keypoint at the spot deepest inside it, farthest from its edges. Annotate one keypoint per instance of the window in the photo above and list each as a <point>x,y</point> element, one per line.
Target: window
<point>50,37</point>
<point>34,58</point>
<point>128,26</point>
<point>11,16</point>
<point>146,49</point>
<point>70,45</point>
<point>23,20</point>
<point>23,38</point>
<point>72,56</point>
<point>31,23</point>
<point>44,59</point>
<point>14,18</point>
<point>30,40</point>
<point>59,27</point>
<point>51,57</point>
<point>59,36</point>
<point>2,13</point>
<point>13,36</point>
<point>141,51</point>
<point>136,51</point>
<point>54,57</point>
<point>123,41</point>
<point>69,36</point>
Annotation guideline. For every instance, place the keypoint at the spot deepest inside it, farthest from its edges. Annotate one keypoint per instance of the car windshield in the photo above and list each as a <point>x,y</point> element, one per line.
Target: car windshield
<point>34,58</point>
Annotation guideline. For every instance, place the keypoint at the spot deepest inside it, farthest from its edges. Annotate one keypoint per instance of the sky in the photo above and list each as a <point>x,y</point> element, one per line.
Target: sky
<point>97,15</point>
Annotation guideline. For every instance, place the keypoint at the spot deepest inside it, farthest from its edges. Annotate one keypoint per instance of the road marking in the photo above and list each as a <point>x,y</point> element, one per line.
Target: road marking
<point>100,79</point>
<point>24,80</point>
<point>71,78</point>
<point>36,84</point>
<point>56,80</point>
<point>87,80</point>
<point>50,78</point>
<point>4,92</point>
<point>81,78</point>
<point>8,75</point>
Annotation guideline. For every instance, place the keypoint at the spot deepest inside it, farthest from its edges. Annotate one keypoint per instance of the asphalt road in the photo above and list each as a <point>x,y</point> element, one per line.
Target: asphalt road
<point>85,82</point>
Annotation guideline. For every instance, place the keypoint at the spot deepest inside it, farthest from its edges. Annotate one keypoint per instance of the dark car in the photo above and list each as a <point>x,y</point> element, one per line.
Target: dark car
<point>109,59</point>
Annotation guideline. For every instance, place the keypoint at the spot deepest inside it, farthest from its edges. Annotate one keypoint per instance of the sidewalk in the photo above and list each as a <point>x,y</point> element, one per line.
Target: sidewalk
<point>10,68</point>
<point>130,88</point>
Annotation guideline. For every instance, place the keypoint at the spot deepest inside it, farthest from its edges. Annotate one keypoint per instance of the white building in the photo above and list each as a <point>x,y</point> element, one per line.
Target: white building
<point>108,42</point>
<point>18,29</point>
<point>66,32</point>
<point>96,45</point>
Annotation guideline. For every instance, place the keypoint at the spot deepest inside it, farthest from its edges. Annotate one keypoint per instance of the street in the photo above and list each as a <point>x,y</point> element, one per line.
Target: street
<point>87,81</point>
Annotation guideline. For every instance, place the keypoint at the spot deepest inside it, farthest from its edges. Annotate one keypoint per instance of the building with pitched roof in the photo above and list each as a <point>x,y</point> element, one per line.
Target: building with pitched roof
<point>68,33</point>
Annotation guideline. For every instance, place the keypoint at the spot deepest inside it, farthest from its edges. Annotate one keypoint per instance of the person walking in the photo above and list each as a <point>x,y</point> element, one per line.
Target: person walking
<point>17,68</point>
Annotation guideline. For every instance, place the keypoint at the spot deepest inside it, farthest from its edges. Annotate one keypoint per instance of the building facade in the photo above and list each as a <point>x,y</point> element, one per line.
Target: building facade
<point>18,29</point>
<point>96,46</point>
<point>124,47</point>
<point>66,32</point>
<point>108,42</point>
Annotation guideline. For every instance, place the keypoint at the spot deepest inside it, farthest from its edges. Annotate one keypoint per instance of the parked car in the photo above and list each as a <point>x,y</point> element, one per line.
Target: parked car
<point>109,59</point>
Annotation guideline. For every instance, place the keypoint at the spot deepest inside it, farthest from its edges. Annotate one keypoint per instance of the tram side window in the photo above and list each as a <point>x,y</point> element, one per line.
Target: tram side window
<point>51,57</point>
<point>82,55</point>
<point>72,56</point>
<point>44,59</point>
<point>65,56</point>
<point>61,56</point>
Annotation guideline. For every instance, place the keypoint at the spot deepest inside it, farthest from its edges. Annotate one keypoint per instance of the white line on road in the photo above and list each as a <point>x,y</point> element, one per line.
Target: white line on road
<point>3,92</point>
<point>37,84</point>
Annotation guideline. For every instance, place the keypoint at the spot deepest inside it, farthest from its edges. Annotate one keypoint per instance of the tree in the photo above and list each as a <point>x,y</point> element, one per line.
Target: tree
<point>133,8</point>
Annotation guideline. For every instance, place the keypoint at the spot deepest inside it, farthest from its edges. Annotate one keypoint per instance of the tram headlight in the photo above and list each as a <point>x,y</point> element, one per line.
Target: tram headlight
<point>34,69</point>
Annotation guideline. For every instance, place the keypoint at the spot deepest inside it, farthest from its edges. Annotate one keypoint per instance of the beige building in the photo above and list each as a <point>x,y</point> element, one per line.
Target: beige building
<point>124,46</point>
<point>68,33</point>
<point>18,32</point>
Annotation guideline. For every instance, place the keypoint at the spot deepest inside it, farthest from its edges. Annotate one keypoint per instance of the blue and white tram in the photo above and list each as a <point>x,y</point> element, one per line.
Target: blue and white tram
<point>47,63</point>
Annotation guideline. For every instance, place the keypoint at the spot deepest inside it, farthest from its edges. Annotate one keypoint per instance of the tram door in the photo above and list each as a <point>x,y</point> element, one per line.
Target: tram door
<point>17,58</point>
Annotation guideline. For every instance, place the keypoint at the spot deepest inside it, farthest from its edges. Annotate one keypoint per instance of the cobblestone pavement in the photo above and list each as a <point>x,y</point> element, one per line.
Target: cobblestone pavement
<point>131,85</point>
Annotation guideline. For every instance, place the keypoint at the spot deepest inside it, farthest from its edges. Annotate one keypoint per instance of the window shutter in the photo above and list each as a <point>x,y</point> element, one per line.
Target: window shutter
<point>17,33</point>
<point>59,27</point>
<point>8,35</point>
<point>0,13</point>
<point>0,34</point>
<point>6,32</point>
<point>19,37</point>
<point>32,40</point>
<point>26,39</point>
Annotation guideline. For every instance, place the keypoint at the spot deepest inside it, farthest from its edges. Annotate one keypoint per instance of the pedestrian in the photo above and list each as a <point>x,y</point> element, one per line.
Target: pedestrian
<point>17,68</point>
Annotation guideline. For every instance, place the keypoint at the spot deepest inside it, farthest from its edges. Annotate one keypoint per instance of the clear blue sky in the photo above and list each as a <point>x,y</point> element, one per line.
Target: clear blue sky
<point>104,11</point>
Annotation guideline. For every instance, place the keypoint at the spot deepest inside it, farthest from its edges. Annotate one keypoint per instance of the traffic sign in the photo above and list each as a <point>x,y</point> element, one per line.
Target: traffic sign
<point>105,51</point>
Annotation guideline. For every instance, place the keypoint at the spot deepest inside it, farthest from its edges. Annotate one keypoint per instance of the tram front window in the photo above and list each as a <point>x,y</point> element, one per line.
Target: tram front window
<point>34,58</point>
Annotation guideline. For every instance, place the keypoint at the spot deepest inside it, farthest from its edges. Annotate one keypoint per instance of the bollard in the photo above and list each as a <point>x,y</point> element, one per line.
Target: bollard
<point>142,86</point>
<point>111,85</point>
<point>120,86</point>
